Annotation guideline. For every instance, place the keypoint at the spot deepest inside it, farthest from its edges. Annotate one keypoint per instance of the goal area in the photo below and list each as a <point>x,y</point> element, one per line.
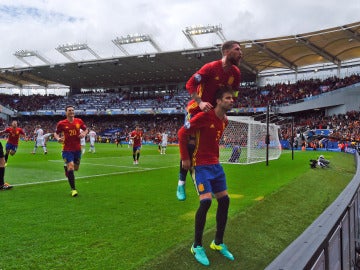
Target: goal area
<point>244,141</point>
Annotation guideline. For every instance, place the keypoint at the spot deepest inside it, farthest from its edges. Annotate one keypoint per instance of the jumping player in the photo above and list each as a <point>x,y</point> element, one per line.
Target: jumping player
<point>202,87</point>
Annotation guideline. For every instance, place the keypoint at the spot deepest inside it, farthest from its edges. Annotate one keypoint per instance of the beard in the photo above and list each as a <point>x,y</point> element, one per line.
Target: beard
<point>234,61</point>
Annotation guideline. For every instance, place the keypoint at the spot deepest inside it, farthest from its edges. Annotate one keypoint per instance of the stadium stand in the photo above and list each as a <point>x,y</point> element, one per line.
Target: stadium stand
<point>110,111</point>
<point>343,127</point>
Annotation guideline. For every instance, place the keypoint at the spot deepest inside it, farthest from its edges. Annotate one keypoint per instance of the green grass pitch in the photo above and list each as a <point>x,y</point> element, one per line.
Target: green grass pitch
<point>127,216</point>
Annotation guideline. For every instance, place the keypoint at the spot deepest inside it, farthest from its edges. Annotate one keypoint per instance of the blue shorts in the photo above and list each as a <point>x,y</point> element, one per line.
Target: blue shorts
<point>136,148</point>
<point>11,147</point>
<point>209,178</point>
<point>71,156</point>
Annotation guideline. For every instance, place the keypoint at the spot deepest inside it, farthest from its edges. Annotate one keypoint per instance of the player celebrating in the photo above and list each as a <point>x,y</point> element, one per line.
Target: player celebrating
<point>13,139</point>
<point>136,137</point>
<point>208,174</point>
<point>202,87</point>
<point>68,133</point>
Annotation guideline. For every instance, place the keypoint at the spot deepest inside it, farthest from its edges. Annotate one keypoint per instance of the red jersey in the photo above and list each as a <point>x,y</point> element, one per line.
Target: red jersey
<point>208,80</point>
<point>208,129</point>
<point>71,133</point>
<point>137,137</point>
<point>158,138</point>
<point>14,135</point>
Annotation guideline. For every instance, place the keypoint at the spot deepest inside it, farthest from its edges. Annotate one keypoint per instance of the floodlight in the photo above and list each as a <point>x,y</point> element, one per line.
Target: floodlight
<point>134,38</point>
<point>21,54</point>
<point>201,30</point>
<point>70,47</point>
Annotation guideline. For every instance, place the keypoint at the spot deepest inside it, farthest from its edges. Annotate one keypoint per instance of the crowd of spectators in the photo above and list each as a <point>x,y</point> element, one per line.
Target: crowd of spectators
<point>250,97</point>
<point>27,103</point>
<point>283,93</point>
<point>150,124</point>
<point>345,127</point>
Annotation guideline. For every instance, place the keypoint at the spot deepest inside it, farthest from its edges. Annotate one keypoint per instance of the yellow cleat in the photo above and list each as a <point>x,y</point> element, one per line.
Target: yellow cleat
<point>74,193</point>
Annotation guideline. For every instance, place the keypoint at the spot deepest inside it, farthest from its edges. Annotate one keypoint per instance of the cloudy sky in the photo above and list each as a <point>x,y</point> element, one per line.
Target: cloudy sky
<point>43,25</point>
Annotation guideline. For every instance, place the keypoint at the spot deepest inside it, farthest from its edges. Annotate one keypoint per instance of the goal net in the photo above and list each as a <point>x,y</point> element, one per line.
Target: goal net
<point>243,141</point>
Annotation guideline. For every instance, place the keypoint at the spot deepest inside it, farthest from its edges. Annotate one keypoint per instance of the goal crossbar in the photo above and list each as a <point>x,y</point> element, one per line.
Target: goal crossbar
<point>244,141</point>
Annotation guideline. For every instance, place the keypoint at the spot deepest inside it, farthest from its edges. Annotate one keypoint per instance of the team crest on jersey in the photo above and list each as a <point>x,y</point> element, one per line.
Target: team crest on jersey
<point>231,80</point>
<point>212,126</point>
<point>197,77</point>
<point>201,187</point>
<point>77,126</point>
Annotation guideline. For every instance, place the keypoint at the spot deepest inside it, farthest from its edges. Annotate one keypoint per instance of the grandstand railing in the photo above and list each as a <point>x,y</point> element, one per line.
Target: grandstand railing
<point>330,242</point>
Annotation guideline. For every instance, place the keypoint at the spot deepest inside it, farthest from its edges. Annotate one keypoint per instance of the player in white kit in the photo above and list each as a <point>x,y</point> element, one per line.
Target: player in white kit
<point>164,142</point>
<point>39,139</point>
<point>92,138</point>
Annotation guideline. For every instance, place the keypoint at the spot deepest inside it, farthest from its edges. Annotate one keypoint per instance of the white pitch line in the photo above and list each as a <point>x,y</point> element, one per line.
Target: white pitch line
<point>105,165</point>
<point>92,176</point>
<point>96,164</point>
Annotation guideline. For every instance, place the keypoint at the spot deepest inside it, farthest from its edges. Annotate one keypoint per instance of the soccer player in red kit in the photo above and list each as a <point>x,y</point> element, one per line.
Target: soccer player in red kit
<point>13,139</point>
<point>158,138</point>
<point>136,136</point>
<point>207,173</point>
<point>68,133</point>
<point>202,87</point>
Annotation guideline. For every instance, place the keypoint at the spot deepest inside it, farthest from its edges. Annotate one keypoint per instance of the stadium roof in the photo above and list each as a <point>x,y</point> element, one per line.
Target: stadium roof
<point>294,53</point>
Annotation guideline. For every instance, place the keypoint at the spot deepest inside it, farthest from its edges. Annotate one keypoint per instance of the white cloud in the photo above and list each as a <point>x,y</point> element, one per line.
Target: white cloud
<point>42,25</point>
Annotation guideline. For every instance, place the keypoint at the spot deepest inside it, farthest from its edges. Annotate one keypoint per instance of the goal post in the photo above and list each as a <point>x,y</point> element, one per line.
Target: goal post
<point>244,141</point>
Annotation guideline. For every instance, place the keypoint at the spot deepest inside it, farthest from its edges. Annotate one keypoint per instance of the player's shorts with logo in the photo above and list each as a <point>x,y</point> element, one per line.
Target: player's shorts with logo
<point>71,156</point>
<point>11,147</point>
<point>209,178</point>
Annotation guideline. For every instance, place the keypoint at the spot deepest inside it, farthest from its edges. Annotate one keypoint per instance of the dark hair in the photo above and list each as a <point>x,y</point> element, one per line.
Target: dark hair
<point>69,106</point>
<point>228,45</point>
<point>221,91</point>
